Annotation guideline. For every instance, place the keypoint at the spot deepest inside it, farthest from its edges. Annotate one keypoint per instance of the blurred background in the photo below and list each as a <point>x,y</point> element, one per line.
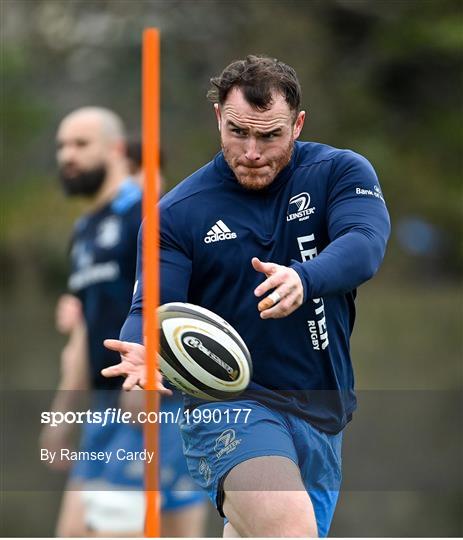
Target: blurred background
<point>381,78</point>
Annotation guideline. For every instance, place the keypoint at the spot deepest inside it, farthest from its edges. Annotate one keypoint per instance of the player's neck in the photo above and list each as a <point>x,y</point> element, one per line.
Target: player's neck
<point>109,189</point>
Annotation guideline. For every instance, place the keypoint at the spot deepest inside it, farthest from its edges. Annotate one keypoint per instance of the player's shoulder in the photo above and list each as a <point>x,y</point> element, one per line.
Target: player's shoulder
<point>195,185</point>
<point>126,207</point>
<point>311,153</point>
<point>128,198</point>
<point>79,227</point>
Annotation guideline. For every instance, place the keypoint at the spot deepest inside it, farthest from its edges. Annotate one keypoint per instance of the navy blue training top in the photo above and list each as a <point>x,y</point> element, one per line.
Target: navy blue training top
<point>103,262</point>
<point>324,215</point>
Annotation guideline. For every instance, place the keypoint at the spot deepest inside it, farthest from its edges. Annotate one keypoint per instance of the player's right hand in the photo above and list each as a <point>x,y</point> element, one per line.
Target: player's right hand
<point>132,365</point>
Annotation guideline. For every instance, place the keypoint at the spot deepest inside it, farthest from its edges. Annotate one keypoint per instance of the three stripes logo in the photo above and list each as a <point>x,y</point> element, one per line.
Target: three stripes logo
<point>218,232</point>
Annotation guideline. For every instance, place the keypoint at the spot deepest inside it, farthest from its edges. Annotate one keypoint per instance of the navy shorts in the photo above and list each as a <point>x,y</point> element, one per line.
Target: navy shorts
<point>216,439</point>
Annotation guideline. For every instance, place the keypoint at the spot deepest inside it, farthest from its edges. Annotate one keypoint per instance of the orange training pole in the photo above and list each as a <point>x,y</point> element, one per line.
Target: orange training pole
<point>150,119</point>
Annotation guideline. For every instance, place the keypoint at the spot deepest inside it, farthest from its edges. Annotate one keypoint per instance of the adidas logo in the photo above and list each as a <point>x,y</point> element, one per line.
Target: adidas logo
<point>219,232</point>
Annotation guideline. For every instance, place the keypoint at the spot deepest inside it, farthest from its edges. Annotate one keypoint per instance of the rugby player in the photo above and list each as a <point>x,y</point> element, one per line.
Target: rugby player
<point>106,499</point>
<point>274,235</point>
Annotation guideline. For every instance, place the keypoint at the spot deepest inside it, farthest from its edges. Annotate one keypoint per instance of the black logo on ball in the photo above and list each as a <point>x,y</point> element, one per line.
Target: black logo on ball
<point>211,356</point>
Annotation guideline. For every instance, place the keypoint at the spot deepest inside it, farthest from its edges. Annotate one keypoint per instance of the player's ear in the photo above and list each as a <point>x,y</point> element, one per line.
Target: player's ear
<point>122,148</point>
<point>218,115</point>
<point>119,147</point>
<point>298,124</point>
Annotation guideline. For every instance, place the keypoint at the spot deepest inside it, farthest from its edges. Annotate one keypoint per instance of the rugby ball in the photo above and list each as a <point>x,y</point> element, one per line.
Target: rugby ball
<point>201,354</point>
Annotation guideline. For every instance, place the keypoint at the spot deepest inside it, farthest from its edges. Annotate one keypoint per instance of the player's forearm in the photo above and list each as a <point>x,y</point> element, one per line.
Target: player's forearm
<point>343,265</point>
<point>70,391</point>
<point>132,330</point>
<point>74,361</point>
<point>74,379</point>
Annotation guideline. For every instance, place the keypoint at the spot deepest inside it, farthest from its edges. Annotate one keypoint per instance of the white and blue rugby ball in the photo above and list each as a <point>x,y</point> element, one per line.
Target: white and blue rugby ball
<point>201,354</point>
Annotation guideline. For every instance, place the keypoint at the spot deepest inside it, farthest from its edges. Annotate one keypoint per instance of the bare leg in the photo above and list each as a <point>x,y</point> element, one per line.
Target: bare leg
<point>71,521</point>
<point>230,532</point>
<point>187,522</point>
<point>110,534</point>
<point>265,497</point>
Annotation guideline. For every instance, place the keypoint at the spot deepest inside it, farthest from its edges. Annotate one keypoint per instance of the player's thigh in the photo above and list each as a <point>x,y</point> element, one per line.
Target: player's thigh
<point>265,496</point>
<point>241,430</point>
<point>186,522</point>
<point>71,518</point>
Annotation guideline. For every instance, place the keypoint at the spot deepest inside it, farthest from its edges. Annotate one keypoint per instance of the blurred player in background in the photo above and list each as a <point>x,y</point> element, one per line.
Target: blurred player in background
<point>107,499</point>
<point>309,225</point>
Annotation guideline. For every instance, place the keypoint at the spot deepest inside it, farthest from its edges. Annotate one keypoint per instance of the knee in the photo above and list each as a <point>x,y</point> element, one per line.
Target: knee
<point>276,514</point>
<point>291,524</point>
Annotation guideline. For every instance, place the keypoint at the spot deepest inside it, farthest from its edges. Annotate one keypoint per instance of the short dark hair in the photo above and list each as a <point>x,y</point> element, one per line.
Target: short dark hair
<point>257,77</point>
<point>134,154</point>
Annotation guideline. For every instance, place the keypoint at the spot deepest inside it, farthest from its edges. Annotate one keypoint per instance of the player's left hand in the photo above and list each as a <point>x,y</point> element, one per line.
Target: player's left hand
<point>288,293</point>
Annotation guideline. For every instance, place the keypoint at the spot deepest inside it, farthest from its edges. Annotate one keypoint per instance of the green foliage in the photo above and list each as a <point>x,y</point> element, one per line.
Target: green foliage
<point>383,78</point>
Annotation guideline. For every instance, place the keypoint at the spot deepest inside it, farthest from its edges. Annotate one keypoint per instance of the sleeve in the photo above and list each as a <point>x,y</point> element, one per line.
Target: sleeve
<point>175,272</point>
<point>358,229</point>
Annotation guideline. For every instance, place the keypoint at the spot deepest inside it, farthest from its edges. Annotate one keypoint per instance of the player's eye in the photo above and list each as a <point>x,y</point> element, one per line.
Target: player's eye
<point>238,131</point>
<point>270,136</point>
<point>80,143</point>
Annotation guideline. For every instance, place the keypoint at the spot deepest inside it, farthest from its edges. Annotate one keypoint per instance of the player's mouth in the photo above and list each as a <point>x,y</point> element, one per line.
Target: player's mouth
<point>70,171</point>
<point>252,167</point>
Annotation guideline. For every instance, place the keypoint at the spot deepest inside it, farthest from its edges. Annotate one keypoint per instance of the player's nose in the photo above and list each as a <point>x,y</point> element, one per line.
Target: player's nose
<point>66,154</point>
<point>252,152</point>
<point>67,163</point>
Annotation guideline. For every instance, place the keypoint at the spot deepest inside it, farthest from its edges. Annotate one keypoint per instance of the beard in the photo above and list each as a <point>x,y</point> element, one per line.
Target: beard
<point>256,179</point>
<point>83,183</point>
